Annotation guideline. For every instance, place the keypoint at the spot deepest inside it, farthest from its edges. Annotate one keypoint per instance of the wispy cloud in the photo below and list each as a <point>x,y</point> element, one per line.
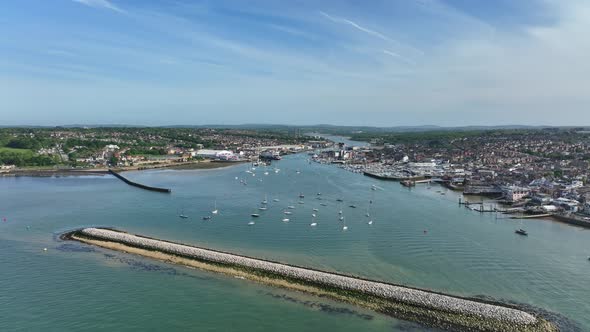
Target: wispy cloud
<point>399,57</point>
<point>373,33</point>
<point>105,4</point>
<point>357,26</point>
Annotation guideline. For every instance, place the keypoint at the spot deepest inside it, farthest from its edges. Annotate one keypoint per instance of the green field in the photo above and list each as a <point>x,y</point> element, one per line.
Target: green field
<point>25,152</point>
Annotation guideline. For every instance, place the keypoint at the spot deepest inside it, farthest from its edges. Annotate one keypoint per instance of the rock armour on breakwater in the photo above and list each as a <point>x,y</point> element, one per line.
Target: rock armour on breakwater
<point>408,296</point>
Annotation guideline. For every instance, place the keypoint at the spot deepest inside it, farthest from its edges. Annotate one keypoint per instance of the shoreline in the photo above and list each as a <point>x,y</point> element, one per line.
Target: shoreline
<point>59,172</point>
<point>426,307</point>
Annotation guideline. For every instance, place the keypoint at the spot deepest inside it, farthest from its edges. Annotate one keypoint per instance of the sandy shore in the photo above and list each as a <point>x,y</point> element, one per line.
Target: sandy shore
<point>429,308</point>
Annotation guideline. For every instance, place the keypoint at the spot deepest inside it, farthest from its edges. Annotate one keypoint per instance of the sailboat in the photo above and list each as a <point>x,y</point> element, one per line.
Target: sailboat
<point>215,211</point>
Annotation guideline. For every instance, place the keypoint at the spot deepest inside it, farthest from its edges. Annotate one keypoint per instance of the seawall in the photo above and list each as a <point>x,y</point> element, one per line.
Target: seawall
<point>426,307</point>
<point>139,185</point>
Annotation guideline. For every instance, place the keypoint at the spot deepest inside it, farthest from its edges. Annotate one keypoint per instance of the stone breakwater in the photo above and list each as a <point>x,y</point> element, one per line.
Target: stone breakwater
<point>448,311</point>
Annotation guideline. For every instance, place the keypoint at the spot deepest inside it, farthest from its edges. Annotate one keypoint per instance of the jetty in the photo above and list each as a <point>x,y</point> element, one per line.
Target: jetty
<point>139,185</point>
<point>393,177</point>
<point>426,307</point>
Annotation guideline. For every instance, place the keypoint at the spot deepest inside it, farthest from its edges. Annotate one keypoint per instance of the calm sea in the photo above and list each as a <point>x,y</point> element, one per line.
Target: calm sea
<point>418,237</point>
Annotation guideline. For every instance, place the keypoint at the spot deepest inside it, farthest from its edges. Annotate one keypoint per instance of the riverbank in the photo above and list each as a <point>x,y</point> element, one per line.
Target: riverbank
<point>426,307</point>
<point>57,172</point>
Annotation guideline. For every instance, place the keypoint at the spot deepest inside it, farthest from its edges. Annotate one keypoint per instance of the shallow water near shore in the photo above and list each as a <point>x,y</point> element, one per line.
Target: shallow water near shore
<point>73,287</point>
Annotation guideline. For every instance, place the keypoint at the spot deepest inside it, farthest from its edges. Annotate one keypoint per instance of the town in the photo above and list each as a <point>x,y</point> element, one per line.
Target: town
<point>534,172</point>
<point>137,148</point>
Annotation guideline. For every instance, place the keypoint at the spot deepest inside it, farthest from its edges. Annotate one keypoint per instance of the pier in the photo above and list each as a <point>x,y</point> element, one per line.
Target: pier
<point>139,185</point>
<point>426,307</point>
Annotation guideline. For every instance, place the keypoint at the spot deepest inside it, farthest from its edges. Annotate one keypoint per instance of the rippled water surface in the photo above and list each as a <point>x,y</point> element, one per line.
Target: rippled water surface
<point>418,237</point>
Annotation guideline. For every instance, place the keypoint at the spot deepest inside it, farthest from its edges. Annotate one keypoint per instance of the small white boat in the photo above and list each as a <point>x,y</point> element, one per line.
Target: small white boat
<point>344,228</point>
<point>313,224</point>
<point>301,202</point>
<point>265,173</point>
<point>323,204</point>
<point>215,211</point>
<point>255,215</point>
<point>370,222</point>
<point>288,212</point>
<point>367,214</point>
<point>313,215</point>
<point>314,209</point>
<point>251,222</point>
<point>286,220</point>
<point>341,218</point>
<point>262,208</point>
<point>340,212</point>
<point>290,207</point>
<point>276,200</point>
<point>183,216</point>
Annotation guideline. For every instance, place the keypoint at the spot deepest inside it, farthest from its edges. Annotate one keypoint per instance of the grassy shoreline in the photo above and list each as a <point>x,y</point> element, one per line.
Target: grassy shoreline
<point>399,309</point>
<point>49,172</point>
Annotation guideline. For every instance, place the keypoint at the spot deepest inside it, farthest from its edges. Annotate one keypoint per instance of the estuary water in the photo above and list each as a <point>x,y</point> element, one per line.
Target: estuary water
<point>419,237</point>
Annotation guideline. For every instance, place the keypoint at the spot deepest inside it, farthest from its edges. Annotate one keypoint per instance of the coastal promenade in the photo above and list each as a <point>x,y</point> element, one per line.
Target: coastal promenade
<point>426,307</point>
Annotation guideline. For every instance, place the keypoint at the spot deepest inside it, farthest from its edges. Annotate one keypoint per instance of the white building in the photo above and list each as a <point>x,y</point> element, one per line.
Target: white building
<point>515,194</point>
<point>214,154</point>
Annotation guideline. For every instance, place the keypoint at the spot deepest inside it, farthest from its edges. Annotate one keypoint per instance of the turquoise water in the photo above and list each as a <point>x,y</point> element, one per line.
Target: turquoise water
<point>74,287</point>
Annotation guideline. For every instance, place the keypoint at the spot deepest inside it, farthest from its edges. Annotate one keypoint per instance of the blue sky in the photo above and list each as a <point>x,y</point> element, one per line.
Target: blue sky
<point>385,63</point>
